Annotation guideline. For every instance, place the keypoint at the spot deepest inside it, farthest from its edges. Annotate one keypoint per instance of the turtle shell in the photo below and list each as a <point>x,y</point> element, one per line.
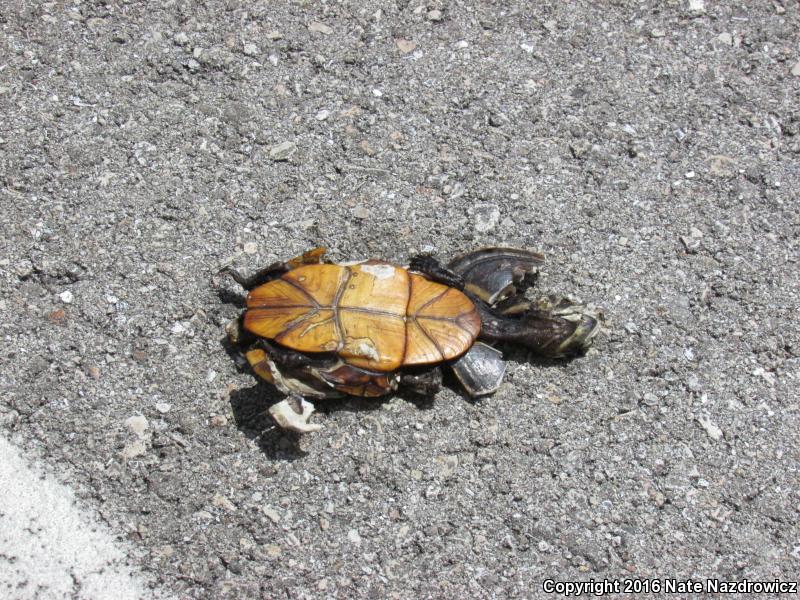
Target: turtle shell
<point>374,315</point>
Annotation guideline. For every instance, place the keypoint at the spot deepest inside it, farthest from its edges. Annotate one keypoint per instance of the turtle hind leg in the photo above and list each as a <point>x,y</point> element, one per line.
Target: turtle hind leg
<point>311,257</point>
<point>275,270</point>
<point>430,267</point>
<point>426,382</point>
<point>481,370</point>
<point>238,337</point>
<point>494,274</point>
<point>294,412</point>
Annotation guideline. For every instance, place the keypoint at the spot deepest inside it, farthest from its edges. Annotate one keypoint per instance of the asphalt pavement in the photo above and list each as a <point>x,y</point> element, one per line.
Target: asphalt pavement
<point>650,149</point>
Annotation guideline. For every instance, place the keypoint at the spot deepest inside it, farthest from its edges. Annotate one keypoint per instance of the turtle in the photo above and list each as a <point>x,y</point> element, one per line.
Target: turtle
<point>319,329</point>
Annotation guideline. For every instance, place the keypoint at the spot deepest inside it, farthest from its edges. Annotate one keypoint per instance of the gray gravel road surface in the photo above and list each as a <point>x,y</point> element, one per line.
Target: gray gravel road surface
<point>651,149</point>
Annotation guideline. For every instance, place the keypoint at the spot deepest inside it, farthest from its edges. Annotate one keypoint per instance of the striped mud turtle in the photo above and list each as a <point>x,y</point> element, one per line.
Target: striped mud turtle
<point>318,330</point>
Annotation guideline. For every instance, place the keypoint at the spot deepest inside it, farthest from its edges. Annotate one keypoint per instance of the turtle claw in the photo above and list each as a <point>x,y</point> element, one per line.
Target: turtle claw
<point>293,414</point>
<point>233,330</point>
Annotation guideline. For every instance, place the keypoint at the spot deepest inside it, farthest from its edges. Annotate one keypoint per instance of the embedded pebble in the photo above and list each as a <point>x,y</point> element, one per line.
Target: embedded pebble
<point>486,218</point>
<point>250,49</point>
<point>765,375</point>
<point>457,190</point>
<point>693,383</point>
<point>367,148</point>
<point>58,317</point>
<point>218,421</point>
<point>720,165</point>
<point>318,27</point>
<point>435,15</point>
<point>137,424</point>
<point>134,449</point>
<point>712,429</point>
<point>23,269</point>
<point>697,6</point>
<point>221,501</point>
<point>447,465</point>
<point>359,212</point>
<point>579,148</point>
<point>796,69</point>
<point>163,407</point>
<point>66,297</point>
<point>322,115</point>
<point>650,399</point>
<point>405,46</point>
<point>690,243</point>
<point>282,151</point>
<point>272,514</point>
<point>354,537</point>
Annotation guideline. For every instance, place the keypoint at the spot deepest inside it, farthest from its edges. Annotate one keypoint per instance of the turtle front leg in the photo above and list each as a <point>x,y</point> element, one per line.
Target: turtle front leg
<point>248,282</point>
<point>426,382</point>
<point>430,267</point>
<point>275,270</point>
<point>293,414</point>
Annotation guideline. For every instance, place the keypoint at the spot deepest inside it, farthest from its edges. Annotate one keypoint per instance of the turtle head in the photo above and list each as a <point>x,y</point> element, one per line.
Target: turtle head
<point>560,328</point>
<point>550,328</point>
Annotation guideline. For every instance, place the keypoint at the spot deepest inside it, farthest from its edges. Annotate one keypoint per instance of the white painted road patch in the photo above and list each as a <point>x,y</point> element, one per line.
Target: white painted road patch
<point>50,547</point>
